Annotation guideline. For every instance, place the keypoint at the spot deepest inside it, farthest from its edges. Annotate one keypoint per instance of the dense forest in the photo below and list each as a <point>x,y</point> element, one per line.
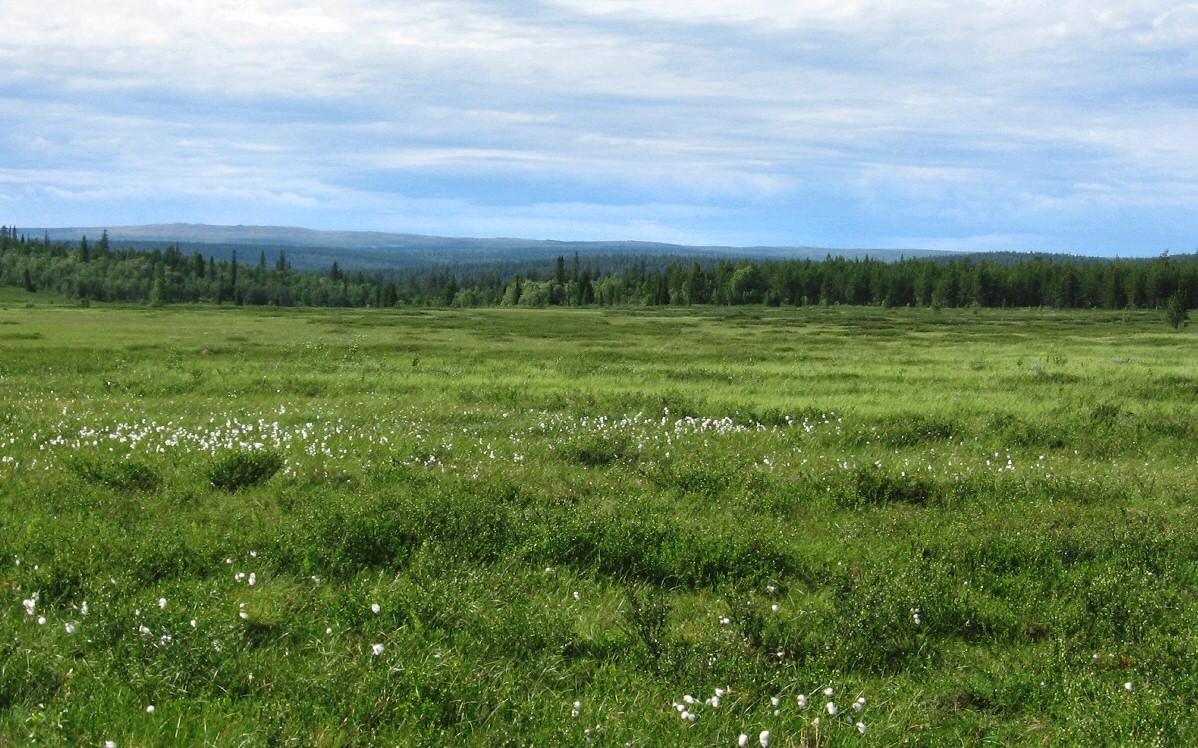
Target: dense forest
<point>96,271</point>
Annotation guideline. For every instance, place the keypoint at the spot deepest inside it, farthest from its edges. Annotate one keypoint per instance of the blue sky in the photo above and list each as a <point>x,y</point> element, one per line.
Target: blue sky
<point>980,125</point>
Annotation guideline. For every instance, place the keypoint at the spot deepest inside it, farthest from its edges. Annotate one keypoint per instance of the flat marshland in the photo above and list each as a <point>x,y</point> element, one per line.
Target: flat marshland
<point>549,527</point>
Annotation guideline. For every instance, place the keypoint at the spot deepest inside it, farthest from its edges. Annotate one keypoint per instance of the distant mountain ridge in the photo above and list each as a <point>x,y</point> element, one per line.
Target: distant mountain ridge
<point>381,249</point>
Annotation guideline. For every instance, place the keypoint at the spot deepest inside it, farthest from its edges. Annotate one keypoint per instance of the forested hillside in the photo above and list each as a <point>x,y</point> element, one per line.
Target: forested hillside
<point>96,271</point>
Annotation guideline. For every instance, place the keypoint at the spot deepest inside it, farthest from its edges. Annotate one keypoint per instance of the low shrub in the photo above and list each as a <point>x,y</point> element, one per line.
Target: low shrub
<point>244,469</point>
<point>600,450</point>
<point>125,475</point>
<point>906,430</point>
<point>874,486</point>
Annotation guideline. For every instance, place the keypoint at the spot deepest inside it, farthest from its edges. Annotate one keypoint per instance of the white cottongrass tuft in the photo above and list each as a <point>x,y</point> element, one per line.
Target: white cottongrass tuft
<point>829,691</point>
<point>150,709</point>
<point>764,739</point>
<point>861,728</point>
<point>70,628</point>
<point>377,649</point>
<point>253,579</point>
<point>162,602</point>
<point>41,620</point>
<point>832,708</point>
<point>1128,686</point>
<point>743,740</point>
<point>375,607</point>
<point>802,701</point>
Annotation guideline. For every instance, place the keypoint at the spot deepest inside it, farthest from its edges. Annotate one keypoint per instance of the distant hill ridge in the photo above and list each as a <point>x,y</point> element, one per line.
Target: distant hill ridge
<point>365,248</point>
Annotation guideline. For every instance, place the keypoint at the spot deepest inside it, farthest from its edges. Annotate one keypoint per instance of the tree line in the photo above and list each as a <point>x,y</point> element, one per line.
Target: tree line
<point>96,271</point>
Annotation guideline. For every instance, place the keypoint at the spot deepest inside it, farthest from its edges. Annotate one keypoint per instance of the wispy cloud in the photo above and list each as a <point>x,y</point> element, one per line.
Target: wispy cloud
<point>1057,126</point>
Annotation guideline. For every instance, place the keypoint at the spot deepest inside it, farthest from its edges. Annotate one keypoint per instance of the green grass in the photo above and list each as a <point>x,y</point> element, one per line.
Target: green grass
<point>980,521</point>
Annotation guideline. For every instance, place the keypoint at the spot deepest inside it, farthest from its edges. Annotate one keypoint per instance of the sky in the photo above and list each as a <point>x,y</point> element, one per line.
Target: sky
<point>984,125</point>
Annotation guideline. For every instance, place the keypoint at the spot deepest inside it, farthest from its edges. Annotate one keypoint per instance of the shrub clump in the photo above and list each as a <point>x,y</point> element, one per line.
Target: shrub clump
<point>874,487</point>
<point>120,476</point>
<point>243,469</point>
<point>600,450</point>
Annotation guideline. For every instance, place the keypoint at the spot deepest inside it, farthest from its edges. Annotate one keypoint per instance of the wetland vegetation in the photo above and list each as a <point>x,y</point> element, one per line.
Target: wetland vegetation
<point>264,526</point>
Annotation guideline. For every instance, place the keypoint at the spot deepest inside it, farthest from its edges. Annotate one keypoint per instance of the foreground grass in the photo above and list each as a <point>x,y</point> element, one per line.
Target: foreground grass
<point>979,522</point>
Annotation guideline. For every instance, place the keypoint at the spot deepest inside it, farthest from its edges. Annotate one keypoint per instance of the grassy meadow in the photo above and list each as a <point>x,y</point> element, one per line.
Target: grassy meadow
<point>236,527</point>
